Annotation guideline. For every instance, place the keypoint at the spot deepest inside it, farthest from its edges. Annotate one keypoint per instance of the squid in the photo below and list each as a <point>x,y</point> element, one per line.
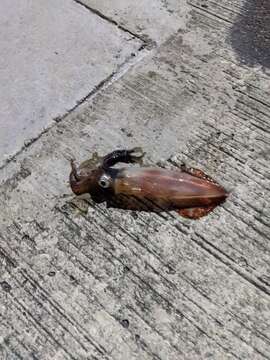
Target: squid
<point>188,191</point>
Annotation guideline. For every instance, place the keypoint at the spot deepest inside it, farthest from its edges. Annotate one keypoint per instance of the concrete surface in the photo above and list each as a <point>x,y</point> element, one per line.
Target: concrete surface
<point>83,281</point>
<point>250,36</point>
<point>53,54</point>
<point>153,22</point>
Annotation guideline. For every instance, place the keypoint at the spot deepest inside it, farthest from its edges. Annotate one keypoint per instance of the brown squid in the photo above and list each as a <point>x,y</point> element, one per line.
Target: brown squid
<point>189,191</point>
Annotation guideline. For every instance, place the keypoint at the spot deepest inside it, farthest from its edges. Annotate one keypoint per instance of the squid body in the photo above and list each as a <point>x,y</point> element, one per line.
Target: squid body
<point>189,191</point>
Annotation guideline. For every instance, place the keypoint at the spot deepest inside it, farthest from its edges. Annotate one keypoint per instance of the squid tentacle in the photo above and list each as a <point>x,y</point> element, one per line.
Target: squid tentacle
<point>125,156</point>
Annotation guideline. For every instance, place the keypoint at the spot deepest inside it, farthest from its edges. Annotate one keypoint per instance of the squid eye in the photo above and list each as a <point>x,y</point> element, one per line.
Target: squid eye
<point>104,181</point>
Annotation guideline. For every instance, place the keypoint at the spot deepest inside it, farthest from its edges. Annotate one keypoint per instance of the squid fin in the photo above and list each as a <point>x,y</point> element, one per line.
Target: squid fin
<point>196,212</point>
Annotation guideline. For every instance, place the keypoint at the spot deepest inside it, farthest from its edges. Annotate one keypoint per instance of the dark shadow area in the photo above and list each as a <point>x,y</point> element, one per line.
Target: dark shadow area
<point>123,202</point>
<point>134,204</point>
<point>250,35</point>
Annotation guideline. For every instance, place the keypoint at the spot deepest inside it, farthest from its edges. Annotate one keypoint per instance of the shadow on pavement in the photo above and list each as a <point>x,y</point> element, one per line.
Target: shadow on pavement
<point>250,35</point>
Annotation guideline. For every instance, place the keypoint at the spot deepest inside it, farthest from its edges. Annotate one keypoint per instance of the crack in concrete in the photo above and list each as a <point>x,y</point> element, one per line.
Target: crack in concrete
<point>149,43</point>
<point>115,75</point>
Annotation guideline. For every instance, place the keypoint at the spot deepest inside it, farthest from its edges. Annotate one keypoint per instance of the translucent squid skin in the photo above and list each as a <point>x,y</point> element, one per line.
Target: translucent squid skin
<point>189,191</point>
<point>172,189</point>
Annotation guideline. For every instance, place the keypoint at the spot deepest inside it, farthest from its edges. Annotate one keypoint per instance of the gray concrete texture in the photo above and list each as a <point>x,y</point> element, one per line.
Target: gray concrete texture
<point>153,21</point>
<point>50,62</point>
<point>80,280</point>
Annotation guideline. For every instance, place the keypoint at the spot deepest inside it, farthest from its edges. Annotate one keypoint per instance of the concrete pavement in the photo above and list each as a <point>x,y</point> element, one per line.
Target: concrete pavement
<point>83,281</point>
<point>50,62</point>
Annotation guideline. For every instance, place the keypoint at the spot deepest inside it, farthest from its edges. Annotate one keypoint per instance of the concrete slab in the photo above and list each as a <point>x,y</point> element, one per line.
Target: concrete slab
<point>53,53</point>
<point>79,280</point>
<point>154,21</point>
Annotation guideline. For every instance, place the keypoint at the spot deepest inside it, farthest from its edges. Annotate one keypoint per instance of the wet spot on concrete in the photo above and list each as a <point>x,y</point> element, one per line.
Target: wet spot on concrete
<point>152,74</point>
<point>250,35</point>
<point>5,286</point>
<point>51,273</point>
<point>125,323</point>
<point>126,132</point>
